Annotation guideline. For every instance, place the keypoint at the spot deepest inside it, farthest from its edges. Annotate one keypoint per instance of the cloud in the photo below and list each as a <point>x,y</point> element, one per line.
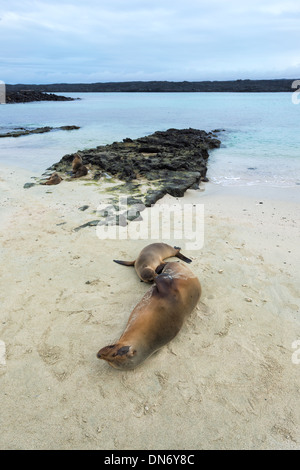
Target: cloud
<point>172,40</point>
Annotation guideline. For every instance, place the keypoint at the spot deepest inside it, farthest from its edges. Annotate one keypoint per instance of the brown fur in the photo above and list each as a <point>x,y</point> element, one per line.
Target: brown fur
<point>76,163</point>
<point>82,171</point>
<point>77,167</point>
<point>54,179</point>
<point>157,318</point>
<point>151,257</point>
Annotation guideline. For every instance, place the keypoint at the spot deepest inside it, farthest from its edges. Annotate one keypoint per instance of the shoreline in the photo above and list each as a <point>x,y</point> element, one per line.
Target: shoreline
<point>229,372</point>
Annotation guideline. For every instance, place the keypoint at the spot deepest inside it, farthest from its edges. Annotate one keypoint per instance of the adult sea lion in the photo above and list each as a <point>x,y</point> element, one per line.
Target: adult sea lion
<point>151,257</point>
<point>76,163</point>
<point>78,167</point>
<point>82,171</point>
<point>54,179</point>
<point>157,318</point>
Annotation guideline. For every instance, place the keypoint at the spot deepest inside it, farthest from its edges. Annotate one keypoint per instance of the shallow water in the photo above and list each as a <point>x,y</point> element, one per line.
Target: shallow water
<point>260,141</point>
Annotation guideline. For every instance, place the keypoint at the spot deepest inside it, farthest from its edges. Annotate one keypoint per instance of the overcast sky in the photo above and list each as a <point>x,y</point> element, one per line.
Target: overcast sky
<point>50,41</point>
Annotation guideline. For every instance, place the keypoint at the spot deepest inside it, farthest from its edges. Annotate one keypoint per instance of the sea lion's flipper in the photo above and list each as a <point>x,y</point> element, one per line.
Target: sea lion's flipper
<point>125,263</point>
<point>160,267</point>
<point>181,256</point>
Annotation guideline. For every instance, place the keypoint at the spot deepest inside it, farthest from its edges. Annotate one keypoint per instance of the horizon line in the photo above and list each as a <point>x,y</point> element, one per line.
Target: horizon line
<point>154,81</point>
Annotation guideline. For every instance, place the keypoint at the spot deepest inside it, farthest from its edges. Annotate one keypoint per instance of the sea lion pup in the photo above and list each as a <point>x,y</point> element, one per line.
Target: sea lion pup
<point>151,257</point>
<point>78,167</point>
<point>157,318</point>
<point>54,179</point>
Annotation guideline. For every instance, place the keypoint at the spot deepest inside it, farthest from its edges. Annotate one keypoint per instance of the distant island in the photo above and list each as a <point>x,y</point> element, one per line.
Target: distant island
<point>235,86</point>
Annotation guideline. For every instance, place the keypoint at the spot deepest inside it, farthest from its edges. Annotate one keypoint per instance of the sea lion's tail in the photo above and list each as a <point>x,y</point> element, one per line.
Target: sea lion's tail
<point>181,256</point>
<point>125,263</point>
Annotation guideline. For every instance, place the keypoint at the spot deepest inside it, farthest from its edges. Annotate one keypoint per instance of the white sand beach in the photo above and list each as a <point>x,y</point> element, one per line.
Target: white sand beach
<point>229,380</point>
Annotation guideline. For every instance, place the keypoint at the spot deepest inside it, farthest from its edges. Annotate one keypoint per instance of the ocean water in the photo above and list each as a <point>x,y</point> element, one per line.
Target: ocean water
<point>260,131</point>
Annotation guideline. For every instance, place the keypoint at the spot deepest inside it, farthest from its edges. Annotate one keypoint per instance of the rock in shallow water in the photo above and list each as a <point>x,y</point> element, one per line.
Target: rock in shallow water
<point>166,162</point>
<point>170,161</point>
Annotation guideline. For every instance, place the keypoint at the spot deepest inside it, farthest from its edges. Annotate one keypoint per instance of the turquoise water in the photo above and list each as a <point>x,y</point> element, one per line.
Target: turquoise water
<point>260,141</point>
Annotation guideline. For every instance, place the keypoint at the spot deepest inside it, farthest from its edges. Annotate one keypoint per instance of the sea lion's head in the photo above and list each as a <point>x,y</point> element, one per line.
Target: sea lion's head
<point>119,356</point>
<point>148,274</point>
<point>77,157</point>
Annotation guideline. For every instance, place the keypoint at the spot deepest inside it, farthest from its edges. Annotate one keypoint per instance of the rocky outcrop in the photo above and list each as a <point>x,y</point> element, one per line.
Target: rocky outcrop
<point>26,96</point>
<point>166,162</point>
<point>20,131</point>
<point>139,172</point>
